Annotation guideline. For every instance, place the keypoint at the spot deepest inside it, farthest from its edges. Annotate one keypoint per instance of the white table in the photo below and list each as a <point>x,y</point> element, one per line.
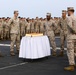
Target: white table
<point>34,47</point>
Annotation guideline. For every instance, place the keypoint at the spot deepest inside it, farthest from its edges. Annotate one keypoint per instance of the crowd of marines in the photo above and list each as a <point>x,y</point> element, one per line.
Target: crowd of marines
<point>17,27</point>
<point>27,25</point>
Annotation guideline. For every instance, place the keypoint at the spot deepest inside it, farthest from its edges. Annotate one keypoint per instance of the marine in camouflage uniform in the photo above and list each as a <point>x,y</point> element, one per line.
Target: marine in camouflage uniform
<point>22,27</point>
<point>15,33</point>
<point>42,26</point>
<point>63,31</point>
<point>57,31</point>
<point>32,26</point>
<point>49,24</point>
<point>6,34</point>
<point>37,25</point>
<point>28,31</point>
<point>71,39</point>
<point>1,33</point>
<point>1,29</point>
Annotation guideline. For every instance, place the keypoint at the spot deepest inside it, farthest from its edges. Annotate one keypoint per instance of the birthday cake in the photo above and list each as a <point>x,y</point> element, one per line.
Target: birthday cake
<point>34,34</point>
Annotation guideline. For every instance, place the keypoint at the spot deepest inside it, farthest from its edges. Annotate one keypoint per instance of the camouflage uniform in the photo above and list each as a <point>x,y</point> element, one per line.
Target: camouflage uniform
<point>71,39</point>
<point>57,31</point>
<point>50,33</point>
<point>1,29</point>
<point>37,26</point>
<point>28,28</point>
<point>32,26</point>
<point>42,27</point>
<point>63,31</point>
<point>15,33</point>
<point>22,28</point>
<point>6,34</point>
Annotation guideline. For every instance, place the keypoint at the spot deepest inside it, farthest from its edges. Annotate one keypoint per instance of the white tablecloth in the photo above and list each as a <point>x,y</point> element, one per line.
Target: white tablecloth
<point>34,47</point>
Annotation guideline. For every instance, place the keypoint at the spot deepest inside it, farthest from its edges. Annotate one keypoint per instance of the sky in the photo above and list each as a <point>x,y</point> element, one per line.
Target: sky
<point>33,8</point>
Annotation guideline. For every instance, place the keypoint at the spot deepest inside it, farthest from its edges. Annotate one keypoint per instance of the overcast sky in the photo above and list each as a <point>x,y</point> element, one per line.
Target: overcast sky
<point>33,8</point>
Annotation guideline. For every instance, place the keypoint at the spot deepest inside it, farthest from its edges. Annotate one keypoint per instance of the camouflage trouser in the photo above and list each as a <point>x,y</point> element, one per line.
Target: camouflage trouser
<point>71,49</point>
<point>52,41</point>
<point>1,34</point>
<point>62,39</point>
<point>15,39</point>
<point>6,34</point>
